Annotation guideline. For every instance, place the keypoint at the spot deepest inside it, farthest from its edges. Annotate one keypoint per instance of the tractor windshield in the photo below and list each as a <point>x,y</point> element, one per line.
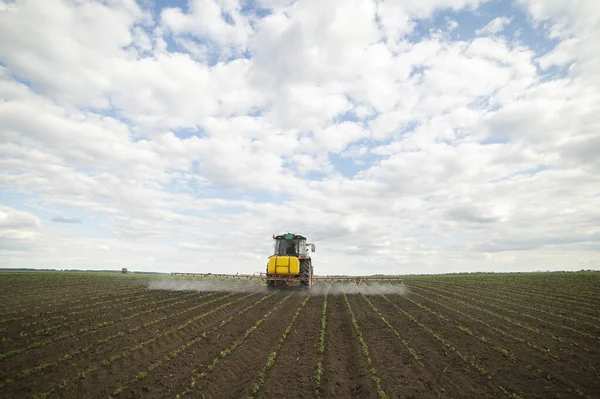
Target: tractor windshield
<point>290,247</point>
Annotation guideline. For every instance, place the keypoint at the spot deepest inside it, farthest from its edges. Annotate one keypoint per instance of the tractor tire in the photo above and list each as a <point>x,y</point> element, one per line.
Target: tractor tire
<point>270,283</point>
<point>306,272</point>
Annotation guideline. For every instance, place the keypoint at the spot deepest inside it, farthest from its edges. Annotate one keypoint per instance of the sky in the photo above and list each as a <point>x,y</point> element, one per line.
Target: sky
<point>399,137</point>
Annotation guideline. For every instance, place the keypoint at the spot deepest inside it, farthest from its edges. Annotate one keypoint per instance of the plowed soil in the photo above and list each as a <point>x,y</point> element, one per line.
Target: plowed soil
<point>99,335</point>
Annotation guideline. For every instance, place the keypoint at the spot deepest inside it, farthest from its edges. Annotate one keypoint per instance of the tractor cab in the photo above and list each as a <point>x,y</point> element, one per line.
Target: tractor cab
<point>292,245</point>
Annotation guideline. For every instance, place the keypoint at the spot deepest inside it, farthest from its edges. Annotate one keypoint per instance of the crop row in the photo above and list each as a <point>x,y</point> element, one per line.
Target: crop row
<point>519,324</point>
<point>549,309</point>
<point>65,300</point>
<point>505,299</point>
<point>449,346</point>
<point>141,344</point>
<point>508,355</point>
<point>497,315</point>
<point>98,326</point>
<point>198,375</point>
<point>365,349</point>
<point>527,290</point>
<point>576,293</point>
<point>30,294</point>
<point>45,365</point>
<point>404,342</point>
<point>271,358</point>
<point>490,312</point>
<point>79,309</point>
<point>321,347</point>
<point>185,346</point>
<point>496,329</point>
<point>173,301</point>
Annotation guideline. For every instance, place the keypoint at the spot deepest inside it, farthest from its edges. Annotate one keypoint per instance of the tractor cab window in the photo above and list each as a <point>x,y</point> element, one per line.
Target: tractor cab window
<point>289,247</point>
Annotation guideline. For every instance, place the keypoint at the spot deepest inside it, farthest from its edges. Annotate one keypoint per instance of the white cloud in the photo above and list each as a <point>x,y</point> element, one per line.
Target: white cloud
<point>211,21</point>
<point>70,50</point>
<point>564,53</point>
<point>576,25</point>
<point>495,26</point>
<point>464,154</point>
<point>336,137</point>
<point>14,219</point>
<point>397,17</point>
<point>451,25</point>
<point>19,232</point>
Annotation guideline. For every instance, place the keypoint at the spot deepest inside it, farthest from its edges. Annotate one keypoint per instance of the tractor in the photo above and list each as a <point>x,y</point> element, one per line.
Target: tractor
<point>290,263</point>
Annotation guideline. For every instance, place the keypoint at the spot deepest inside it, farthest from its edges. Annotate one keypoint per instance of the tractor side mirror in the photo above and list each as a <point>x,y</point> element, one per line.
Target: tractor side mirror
<point>312,247</point>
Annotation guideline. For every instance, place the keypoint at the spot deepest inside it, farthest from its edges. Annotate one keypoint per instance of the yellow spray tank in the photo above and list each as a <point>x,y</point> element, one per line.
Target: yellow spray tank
<point>283,265</point>
<point>290,262</point>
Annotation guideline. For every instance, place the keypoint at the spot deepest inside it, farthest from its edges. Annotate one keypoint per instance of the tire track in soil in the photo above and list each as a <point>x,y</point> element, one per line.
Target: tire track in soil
<point>87,360</point>
<point>232,376</point>
<point>401,375</point>
<point>464,381</point>
<point>122,373</point>
<point>296,361</point>
<point>345,372</point>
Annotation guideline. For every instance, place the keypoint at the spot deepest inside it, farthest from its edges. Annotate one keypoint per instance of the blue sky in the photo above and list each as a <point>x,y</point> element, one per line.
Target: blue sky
<point>408,137</point>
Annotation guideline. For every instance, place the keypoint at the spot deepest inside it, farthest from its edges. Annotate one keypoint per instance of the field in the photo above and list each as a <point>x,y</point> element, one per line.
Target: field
<point>92,335</point>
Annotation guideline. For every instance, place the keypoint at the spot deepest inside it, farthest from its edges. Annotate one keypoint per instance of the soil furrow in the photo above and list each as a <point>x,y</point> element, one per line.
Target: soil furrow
<point>92,351</point>
<point>161,358</point>
<point>232,374</point>
<point>345,372</point>
<point>536,361</point>
<point>295,366</point>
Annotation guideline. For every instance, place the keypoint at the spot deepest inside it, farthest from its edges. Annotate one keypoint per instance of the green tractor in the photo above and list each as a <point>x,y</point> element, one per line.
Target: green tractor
<point>290,265</point>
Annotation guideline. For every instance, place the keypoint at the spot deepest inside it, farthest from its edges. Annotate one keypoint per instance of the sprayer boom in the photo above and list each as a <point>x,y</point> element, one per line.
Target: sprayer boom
<point>290,264</point>
<point>263,276</point>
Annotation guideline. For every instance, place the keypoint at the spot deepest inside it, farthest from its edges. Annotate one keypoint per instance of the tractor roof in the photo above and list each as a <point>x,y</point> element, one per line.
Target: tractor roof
<point>288,236</point>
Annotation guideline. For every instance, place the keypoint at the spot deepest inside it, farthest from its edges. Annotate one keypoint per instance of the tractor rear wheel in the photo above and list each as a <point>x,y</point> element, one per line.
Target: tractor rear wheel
<point>306,272</point>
